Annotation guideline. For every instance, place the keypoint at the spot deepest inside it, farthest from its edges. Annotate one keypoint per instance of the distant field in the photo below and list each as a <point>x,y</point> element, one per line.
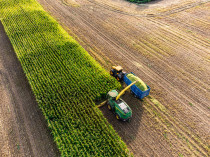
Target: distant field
<point>65,80</point>
<point>140,1</point>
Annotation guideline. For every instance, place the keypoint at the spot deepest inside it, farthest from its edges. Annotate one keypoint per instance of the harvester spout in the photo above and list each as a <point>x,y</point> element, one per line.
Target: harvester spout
<point>126,88</point>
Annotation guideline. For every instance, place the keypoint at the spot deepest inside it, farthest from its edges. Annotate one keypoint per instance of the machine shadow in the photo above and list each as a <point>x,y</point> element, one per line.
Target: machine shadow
<point>144,6</point>
<point>126,130</point>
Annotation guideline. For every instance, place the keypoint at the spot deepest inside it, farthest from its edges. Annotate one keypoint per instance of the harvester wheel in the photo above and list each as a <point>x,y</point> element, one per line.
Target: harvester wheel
<point>109,107</point>
<point>111,73</point>
<point>118,117</point>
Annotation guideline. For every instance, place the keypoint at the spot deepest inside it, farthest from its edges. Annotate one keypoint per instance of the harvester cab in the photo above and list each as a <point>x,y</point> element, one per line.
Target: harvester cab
<point>117,72</point>
<point>121,110</point>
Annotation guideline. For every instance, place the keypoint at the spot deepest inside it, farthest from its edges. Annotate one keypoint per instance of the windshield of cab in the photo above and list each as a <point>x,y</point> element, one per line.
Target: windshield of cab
<point>123,107</point>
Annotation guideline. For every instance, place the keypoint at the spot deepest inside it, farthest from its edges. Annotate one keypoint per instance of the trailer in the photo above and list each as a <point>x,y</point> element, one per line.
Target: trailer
<point>117,72</point>
<point>138,93</point>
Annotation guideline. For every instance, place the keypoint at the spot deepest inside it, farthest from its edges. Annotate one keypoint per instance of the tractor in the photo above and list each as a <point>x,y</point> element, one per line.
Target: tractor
<point>117,72</point>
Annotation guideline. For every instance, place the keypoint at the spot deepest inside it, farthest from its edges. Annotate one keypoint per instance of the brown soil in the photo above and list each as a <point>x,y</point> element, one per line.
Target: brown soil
<point>167,45</point>
<point>23,129</point>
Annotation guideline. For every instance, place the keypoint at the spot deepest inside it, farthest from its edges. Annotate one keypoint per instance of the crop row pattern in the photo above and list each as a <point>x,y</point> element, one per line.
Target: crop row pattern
<point>65,80</point>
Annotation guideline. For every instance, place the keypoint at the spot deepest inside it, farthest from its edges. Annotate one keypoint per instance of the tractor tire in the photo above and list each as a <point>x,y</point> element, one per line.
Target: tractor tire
<point>111,72</point>
<point>109,107</point>
<point>118,79</point>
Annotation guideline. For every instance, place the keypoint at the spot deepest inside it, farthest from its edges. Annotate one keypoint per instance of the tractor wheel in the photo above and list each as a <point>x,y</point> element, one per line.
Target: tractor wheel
<point>111,73</point>
<point>118,79</point>
<point>118,117</point>
<point>109,107</point>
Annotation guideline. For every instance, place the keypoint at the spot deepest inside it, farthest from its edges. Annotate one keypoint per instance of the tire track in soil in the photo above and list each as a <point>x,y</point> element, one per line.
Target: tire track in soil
<point>122,52</point>
<point>146,139</point>
<point>176,126</point>
<point>197,41</point>
<point>186,24</point>
<point>163,128</point>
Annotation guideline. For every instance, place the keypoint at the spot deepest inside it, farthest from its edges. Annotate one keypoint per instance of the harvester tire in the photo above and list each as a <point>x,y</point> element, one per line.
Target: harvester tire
<point>109,107</point>
<point>117,116</point>
<point>111,73</point>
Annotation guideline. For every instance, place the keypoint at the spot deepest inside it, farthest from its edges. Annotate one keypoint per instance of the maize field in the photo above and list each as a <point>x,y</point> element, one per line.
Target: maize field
<point>65,80</point>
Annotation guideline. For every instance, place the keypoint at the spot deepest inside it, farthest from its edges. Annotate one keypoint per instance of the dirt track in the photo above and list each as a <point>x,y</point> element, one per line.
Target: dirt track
<point>167,45</point>
<point>23,129</point>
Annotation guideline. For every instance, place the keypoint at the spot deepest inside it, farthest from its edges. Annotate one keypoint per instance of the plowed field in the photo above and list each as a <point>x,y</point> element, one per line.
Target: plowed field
<point>166,44</point>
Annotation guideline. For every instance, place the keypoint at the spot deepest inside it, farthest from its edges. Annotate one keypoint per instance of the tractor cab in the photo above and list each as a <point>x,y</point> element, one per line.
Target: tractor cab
<point>119,106</point>
<point>116,71</point>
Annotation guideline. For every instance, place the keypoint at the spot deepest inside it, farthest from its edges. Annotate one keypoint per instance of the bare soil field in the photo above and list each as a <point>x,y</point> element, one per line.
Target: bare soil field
<point>23,129</point>
<point>165,43</point>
